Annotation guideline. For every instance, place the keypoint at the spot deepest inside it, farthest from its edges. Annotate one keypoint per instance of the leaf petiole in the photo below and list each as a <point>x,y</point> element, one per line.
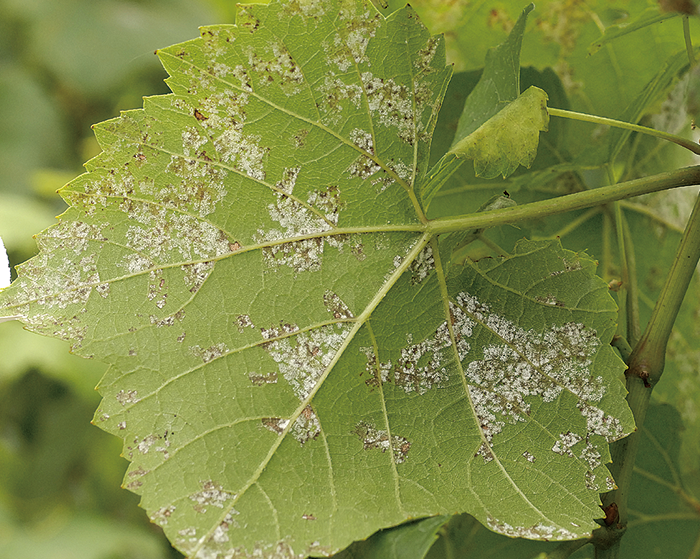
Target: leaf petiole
<point>576,201</point>
<point>683,142</point>
<point>647,359</point>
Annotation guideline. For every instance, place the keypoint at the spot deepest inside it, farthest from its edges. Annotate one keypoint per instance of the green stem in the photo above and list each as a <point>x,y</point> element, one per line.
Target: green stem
<point>688,144</point>
<point>622,345</point>
<point>646,364</point>
<point>633,321</point>
<point>648,357</point>
<point>438,176</point>
<point>577,201</point>
<point>688,40</point>
<point>623,292</point>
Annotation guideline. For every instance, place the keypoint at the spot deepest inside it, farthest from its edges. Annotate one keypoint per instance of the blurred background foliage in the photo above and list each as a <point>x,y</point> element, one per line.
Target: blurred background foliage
<point>66,64</point>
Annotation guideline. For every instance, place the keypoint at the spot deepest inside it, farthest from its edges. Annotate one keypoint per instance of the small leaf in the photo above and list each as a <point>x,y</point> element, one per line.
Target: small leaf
<point>509,138</point>
<point>498,85</point>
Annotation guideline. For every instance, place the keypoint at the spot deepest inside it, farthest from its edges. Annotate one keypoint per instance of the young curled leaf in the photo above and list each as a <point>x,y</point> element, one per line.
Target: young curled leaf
<point>509,138</point>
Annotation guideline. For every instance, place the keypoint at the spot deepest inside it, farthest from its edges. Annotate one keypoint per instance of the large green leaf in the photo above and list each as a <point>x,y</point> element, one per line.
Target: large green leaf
<point>292,364</point>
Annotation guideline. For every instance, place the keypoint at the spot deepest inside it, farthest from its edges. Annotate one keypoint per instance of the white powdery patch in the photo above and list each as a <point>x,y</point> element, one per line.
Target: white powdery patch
<point>600,424</point>
<point>192,140</point>
<point>298,220</point>
<point>462,328</point>
<point>76,236</point>
<point>327,201</point>
<point>373,438</point>
<point>227,107</point>
<point>411,374</point>
<point>300,256</point>
<point>378,373</point>
<point>334,95</point>
<point>525,364</point>
<point>426,54</point>
<point>537,532</point>
<point>210,353</point>
<point>54,280</point>
<point>591,455</point>
<point>295,218</point>
<point>304,357</point>
<point>289,180</point>
<point>243,321</point>
<point>211,495</point>
<point>307,426</point>
<point>421,366</point>
<point>162,515</point>
<point>404,171</point>
<point>392,103</point>
<point>200,188</point>
<point>103,290</point>
<point>422,265</point>
<point>125,397</point>
<point>363,167</point>
<point>145,445</point>
<point>335,305</point>
<point>362,140</point>
<point>180,237</point>
<point>196,274</point>
<point>284,66</point>
<point>242,152</point>
<point>275,424</point>
<point>565,442</point>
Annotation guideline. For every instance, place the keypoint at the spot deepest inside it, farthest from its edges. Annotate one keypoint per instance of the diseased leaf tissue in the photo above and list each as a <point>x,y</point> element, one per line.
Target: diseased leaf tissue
<point>292,367</point>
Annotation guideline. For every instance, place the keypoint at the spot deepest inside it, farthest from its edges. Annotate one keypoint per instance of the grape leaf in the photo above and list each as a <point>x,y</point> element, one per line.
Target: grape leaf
<point>499,84</point>
<point>497,88</point>
<point>292,367</point>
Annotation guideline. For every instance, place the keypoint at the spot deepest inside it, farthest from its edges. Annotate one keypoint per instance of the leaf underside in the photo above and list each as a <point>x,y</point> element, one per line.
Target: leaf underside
<point>294,364</point>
